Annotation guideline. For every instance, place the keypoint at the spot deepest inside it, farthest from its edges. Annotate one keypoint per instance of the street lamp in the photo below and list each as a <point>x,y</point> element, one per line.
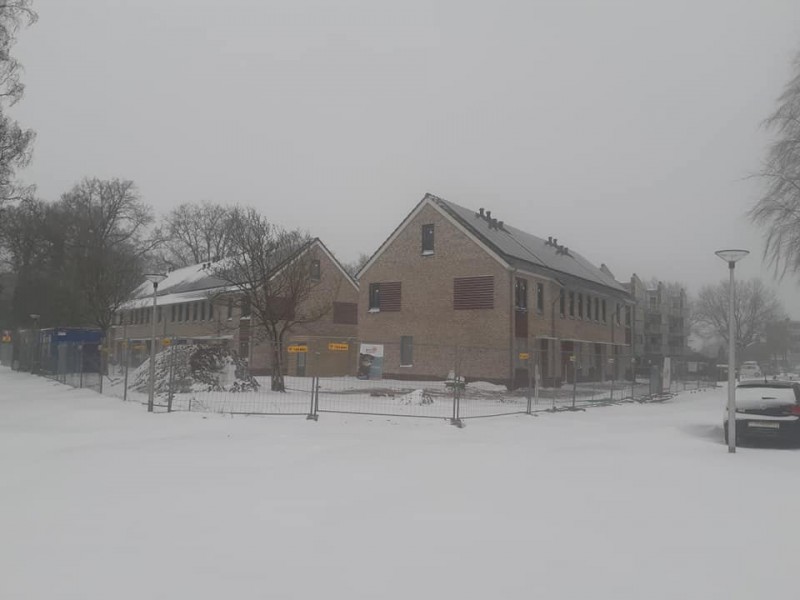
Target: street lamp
<point>731,257</point>
<point>155,279</point>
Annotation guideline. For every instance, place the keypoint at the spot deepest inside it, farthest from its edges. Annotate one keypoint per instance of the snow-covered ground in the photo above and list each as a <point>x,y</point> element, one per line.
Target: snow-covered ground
<point>102,500</point>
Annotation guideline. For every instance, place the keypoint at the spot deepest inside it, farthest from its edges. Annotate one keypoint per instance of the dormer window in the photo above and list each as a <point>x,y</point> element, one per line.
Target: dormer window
<point>427,239</point>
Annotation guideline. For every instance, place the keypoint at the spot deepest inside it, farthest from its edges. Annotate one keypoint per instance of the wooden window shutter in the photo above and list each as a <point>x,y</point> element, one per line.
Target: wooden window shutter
<point>473,292</point>
<point>390,296</point>
<point>345,313</point>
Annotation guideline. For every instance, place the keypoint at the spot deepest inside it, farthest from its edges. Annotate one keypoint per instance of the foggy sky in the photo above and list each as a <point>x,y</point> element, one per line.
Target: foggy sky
<point>625,129</point>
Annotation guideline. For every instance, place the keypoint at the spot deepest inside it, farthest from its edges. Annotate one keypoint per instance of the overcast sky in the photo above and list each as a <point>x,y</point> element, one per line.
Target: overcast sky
<point>626,129</point>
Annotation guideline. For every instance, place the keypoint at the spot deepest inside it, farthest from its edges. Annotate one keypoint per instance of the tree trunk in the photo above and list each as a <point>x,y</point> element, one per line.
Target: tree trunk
<point>278,384</point>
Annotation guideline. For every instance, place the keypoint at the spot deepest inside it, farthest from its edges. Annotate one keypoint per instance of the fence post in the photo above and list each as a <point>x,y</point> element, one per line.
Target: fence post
<point>456,420</point>
<point>171,379</point>
<point>528,394</point>
<point>537,382</point>
<point>312,411</point>
<point>127,366</point>
<point>80,362</point>
<point>574,360</point>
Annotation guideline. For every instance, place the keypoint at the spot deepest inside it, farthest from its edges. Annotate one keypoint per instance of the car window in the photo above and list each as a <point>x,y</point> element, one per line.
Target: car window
<point>787,394</point>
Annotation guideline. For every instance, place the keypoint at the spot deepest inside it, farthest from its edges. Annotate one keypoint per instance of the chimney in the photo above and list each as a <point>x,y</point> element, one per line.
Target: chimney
<point>488,215</point>
<point>549,241</point>
<point>555,242</point>
<point>500,226</point>
<point>494,223</point>
<point>480,212</point>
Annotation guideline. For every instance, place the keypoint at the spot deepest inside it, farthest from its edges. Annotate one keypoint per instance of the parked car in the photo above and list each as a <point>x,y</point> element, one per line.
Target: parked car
<point>750,370</point>
<point>767,409</point>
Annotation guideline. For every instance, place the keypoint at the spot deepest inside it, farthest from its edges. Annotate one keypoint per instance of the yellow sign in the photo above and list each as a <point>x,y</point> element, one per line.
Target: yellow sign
<point>166,342</point>
<point>6,339</point>
<point>294,349</point>
<point>339,347</point>
<point>524,355</point>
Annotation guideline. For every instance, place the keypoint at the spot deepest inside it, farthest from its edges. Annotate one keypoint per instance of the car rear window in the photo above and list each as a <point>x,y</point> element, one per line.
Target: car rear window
<point>787,394</point>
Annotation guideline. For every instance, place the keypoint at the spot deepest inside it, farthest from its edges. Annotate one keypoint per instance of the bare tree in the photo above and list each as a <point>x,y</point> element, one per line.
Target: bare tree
<point>15,142</point>
<point>755,307</point>
<point>196,233</point>
<point>34,253</point>
<point>107,243</point>
<point>270,272</point>
<point>778,210</point>
<point>354,267</point>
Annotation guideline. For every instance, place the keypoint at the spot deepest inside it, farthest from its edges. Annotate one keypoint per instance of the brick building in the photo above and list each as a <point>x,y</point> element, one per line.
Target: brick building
<point>195,306</point>
<point>457,286</point>
<point>661,323</point>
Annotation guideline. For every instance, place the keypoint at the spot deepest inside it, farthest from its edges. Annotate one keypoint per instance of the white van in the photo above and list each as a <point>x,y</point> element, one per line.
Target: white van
<point>750,370</point>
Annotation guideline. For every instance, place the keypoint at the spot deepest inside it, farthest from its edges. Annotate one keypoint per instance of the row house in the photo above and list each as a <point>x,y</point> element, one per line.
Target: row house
<point>457,289</point>
<point>195,306</point>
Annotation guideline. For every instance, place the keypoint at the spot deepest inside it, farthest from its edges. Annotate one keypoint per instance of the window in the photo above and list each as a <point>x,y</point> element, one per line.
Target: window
<point>406,351</point>
<point>245,307</point>
<point>540,298</point>
<point>375,296</point>
<point>146,316</point>
<point>345,313</point>
<point>580,306</point>
<point>230,308</point>
<point>604,311</point>
<point>521,294</point>
<point>202,311</point>
<point>562,301</point>
<point>194,310</point>
<point>588,307</point>
<point>473,293</point>
<point>182,312</point>
<point>244,348</point>
<point>315,270</point>
<point>597,309</point>
<point>627,315</point>
<point>427,239</point>
<point>384,296</point>
<point>619,314</point>
<point>210,311</point>
<point>172,313</point>
<point>572,304</point>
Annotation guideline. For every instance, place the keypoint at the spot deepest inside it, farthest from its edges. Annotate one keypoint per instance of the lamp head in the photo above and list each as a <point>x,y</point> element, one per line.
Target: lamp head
<point>155,278</point>
<point>732,256</point>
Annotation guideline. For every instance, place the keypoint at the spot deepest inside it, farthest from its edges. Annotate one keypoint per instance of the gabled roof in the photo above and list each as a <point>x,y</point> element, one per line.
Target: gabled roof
<point>194,282</point>
<point>186,279</point>
<point>519,249</point>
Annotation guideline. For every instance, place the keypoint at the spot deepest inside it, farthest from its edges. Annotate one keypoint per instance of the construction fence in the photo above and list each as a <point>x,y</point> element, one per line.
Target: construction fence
<point>395,379</point>
<point>72,357</point>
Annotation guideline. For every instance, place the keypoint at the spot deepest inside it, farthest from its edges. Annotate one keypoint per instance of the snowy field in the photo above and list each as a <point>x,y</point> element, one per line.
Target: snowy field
<point>101,500</point>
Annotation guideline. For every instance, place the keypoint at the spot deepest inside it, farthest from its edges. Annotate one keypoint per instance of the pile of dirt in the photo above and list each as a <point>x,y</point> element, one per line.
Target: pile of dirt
<point>192,368</point>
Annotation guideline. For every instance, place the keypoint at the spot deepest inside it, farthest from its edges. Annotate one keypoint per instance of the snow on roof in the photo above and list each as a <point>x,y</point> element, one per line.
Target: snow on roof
<point>186,279</point>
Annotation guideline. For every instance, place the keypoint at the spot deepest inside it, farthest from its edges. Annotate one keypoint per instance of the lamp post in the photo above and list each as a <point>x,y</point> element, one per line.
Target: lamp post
<point>731,257</point>
<point>155,279</point>
<point>34,341</point>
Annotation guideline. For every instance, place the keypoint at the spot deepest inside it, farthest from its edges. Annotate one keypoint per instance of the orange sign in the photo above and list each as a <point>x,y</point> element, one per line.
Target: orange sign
<point>339,347</point>
<point>294,349</point>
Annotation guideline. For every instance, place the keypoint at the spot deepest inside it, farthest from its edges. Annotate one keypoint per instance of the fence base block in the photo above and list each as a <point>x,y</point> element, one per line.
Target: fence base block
<point>312,417</point>
<point>457,423</point>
